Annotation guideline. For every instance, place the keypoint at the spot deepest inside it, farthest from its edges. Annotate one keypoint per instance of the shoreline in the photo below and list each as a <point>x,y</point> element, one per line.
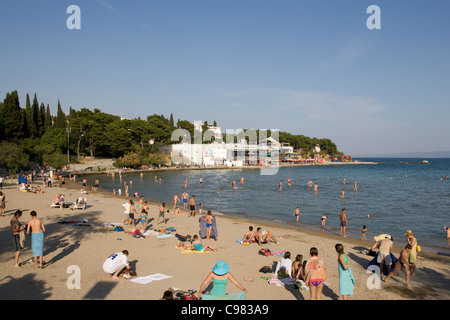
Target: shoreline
<point>255,167</point>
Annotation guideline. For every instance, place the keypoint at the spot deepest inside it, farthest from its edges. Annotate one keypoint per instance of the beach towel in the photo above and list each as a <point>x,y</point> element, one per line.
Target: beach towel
<point>194,251</point>
<point>234,296</point>
<point>374,262</point>
<point>168,235</point>
<point>37,244</point>
<point>150,278</point>
<point>22,239</point>
<point>84,223</point>
<point>150,233</point>
<point>202,226</point>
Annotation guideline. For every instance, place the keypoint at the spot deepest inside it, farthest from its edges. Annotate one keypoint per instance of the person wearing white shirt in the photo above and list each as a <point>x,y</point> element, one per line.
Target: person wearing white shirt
<point>126,210</point>
<point>115,263</point>
<point>286,264</point>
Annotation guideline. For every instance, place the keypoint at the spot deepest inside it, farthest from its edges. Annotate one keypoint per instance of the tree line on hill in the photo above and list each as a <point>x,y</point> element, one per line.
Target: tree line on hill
<point>34,134</point>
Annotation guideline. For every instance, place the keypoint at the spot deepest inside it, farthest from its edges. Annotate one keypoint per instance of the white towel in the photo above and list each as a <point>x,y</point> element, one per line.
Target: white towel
<point>148,279</point>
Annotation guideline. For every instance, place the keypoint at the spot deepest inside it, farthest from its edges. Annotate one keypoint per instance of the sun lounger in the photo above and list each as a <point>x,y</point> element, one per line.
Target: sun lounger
<point>54,205</point>
<point>80,204</point>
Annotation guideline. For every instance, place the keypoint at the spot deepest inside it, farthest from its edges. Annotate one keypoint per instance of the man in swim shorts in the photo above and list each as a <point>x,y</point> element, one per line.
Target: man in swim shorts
<point>185,198</point>
<point>162,210</point>
<point>37,229</point>
<point>192,206</point>
<point>343,222</point>
<point>17,228</point>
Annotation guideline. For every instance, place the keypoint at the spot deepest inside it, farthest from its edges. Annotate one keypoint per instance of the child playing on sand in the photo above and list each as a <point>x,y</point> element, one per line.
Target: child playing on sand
<point>143,219</point>
<point>209,219</point>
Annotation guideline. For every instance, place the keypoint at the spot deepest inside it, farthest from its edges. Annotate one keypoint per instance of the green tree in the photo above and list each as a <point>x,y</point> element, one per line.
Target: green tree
<point>48,118</point>
<point>34,121</point>
<point>12,116</point>
<point>60,121</point>
<point>12,156</point>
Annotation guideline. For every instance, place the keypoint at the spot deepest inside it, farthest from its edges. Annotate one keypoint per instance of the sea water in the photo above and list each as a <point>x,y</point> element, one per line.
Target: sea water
<point>398,194</point>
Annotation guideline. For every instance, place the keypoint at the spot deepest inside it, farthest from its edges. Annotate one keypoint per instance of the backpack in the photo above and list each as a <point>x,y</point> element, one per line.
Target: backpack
<point>187,295</point>
<point>265,252</point>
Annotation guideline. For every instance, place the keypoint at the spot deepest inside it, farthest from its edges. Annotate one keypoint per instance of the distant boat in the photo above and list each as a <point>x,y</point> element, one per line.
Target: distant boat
<point>423,162</point>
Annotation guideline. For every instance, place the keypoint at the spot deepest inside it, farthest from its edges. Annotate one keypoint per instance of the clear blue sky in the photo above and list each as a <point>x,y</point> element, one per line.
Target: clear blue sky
<point>305,67</point>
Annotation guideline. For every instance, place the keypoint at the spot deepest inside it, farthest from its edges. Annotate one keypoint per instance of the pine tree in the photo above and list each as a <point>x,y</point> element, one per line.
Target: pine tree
<point>41,120</point>
<point>48,118</point>
<point>27,124</point>
<point>34,118</point>
<point>12,116</point>
<point>60,121</point>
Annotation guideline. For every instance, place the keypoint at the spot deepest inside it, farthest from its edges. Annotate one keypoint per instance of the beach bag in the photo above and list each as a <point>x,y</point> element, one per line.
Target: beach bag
<point>266,269</point>
<point>118,228</point>
<point>265,252</point>
<point>187,295</point>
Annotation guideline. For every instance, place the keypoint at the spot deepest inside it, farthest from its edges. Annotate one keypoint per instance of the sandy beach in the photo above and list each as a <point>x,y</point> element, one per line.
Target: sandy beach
<point>85,248</point>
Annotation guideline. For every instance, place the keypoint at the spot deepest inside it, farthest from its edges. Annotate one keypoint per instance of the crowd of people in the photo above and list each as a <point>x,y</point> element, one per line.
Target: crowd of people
<point>312,270</point>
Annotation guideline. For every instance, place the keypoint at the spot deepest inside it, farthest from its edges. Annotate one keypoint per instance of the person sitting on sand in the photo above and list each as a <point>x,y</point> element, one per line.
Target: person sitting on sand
<point>197,245</point>
<point>264,237</point>
<point>249,236</point>
<point>115,263</point>
<point>297,267</point>
<point>219,276</point>
<point>284,267</point>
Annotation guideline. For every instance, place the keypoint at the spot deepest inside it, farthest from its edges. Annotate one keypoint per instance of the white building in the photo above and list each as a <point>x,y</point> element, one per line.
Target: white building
<point>220,153</point>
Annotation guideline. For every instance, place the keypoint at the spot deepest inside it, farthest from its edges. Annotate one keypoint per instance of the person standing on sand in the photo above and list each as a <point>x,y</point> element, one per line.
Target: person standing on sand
<point>315,274</point>
<point>185,198</point>
<point>162,210</point>
<point>127,210</point>
<point>346,279</point>
<point>17,229</point>
<point>343,222</point>
<point>2,204</point>
<point>37,229</point>
<point>192,207</point>
<point>413,253</point>
<point>209,219</point>
<point>402,263</point>
<point>175,200</point>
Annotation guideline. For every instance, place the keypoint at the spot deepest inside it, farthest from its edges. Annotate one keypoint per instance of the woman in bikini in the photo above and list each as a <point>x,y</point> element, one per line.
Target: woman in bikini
<point>209,222</point>
<point>315,274</point>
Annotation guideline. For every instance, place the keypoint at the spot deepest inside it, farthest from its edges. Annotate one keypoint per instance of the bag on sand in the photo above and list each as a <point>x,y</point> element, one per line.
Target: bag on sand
<point>265,252</point>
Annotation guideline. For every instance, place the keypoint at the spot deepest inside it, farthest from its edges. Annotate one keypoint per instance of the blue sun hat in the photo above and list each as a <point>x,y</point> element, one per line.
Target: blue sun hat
<point>221,268</point>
